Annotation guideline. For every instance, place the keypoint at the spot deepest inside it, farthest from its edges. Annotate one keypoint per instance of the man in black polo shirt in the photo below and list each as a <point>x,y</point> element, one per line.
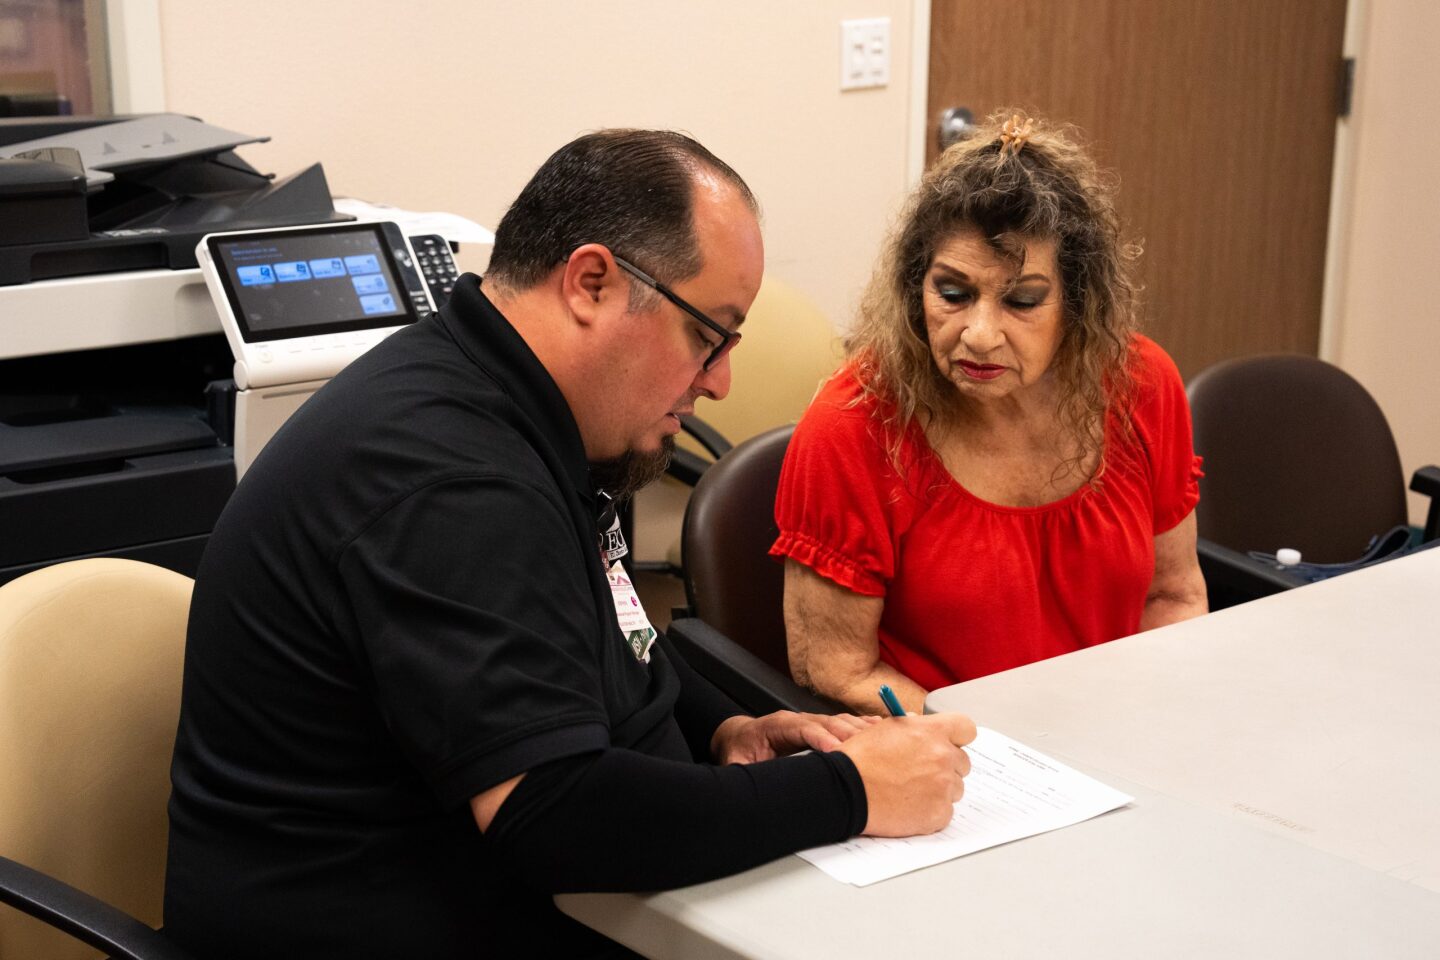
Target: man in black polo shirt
<point>410,711</point>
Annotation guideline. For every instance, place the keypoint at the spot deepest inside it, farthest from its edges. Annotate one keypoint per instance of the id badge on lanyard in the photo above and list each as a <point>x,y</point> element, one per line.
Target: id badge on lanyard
<point>633,623</point>
<point>639,634</point>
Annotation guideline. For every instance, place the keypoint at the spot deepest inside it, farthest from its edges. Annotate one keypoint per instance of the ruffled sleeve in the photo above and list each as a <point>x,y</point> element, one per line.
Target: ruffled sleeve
<point>1162,423</point>
<point>841,507</point>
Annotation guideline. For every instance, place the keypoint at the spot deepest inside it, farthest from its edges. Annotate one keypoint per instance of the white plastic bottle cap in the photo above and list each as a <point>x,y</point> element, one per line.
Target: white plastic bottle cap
<point>1288,556</point>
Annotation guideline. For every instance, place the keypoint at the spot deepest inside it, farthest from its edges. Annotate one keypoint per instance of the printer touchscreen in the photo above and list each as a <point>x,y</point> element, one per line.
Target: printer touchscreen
<point>288,285</point>
<point>299,303</point>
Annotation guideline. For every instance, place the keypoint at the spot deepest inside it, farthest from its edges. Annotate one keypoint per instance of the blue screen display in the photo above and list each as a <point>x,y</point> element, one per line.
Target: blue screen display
<point>370,283</point>
<point>326,268</point>
<point>362,264</point>
<point>252,276</point>
<point>287,284</point>
<point>290,272</point>
<point>378,303</point>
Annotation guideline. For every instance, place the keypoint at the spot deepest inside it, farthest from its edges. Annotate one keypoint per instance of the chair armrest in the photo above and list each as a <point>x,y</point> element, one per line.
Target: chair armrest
<point>1233,577</point>
<point>744,677</point>
<point>1427,481</point>
<point>91,921</point>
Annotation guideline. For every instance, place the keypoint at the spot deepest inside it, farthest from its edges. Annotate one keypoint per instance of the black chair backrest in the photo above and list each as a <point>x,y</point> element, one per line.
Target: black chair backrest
<point>1297,454</point>
<point>730,580</point>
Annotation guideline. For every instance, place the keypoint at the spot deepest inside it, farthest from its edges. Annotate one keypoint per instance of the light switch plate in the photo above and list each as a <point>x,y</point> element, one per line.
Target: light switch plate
<point>864,53</point>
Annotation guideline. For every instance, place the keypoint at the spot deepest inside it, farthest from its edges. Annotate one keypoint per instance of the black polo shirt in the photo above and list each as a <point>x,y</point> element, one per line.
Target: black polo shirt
<point>402,606</point>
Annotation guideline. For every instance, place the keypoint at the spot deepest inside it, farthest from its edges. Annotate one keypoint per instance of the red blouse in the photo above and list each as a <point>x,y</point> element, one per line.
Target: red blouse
<point>971,587</point>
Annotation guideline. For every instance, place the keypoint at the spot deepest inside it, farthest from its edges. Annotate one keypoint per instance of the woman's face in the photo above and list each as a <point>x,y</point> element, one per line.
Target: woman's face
<point>994,329</point>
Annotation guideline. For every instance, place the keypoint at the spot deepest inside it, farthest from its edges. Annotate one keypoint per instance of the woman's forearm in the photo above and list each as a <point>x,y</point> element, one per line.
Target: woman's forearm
<point>860,691</point>
<point>835,646</point>
<point>1162,609</point>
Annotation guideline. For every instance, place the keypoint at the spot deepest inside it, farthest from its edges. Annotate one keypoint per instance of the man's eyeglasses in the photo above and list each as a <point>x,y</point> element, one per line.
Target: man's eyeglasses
<point>728,338</point>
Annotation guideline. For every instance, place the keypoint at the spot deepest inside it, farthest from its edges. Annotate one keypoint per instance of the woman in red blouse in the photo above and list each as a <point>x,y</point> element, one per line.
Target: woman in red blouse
<point>1002,469</point>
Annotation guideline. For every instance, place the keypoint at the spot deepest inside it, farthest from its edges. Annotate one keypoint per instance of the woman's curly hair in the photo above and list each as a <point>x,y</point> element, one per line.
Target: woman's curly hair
<point>1050,189</point>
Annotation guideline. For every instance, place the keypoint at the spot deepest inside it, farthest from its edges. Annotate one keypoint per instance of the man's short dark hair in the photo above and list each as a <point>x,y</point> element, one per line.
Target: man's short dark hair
<point>632,190</point>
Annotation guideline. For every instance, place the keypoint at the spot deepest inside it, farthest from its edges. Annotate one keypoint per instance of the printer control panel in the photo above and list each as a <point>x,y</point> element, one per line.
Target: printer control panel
<point>297,304</point>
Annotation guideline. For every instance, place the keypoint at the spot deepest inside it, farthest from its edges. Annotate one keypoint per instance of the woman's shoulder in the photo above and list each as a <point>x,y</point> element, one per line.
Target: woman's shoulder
<point>844,399</point>
<point>1150,365</point>
<point>856,425</point>
<point>1159,408</point>
<point>845,386</point>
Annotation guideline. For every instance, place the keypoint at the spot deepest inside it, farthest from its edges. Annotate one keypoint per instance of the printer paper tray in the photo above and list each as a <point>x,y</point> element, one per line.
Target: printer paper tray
<point>24,449</point>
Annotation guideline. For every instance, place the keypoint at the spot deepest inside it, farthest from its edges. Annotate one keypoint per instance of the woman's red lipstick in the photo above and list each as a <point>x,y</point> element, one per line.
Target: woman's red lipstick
<point>980,371</point>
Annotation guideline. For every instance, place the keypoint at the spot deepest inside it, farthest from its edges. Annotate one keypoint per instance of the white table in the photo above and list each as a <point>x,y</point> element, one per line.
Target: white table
<point>1283,755</point>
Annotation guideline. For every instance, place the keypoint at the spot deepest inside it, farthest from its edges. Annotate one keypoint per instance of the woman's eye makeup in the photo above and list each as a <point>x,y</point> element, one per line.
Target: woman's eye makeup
<point>954,292</point>
<point>1027,299</point>
<point>951,292</point>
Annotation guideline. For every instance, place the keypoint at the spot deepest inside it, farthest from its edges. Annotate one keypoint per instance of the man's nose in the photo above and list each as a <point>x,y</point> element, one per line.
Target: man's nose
<point>715,382</point>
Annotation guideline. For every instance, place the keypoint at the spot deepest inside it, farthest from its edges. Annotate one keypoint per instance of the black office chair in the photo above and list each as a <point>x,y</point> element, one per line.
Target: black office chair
<point>1297,454</point>
<point>92,922</point>
<point>734,628</point>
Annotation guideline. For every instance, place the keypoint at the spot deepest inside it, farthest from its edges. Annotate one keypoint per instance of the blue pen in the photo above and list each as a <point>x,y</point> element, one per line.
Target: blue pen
<point>892,702</point>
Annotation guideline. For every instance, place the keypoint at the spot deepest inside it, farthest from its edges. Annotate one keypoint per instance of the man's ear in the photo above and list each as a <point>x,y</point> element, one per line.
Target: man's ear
<point>591,284</point>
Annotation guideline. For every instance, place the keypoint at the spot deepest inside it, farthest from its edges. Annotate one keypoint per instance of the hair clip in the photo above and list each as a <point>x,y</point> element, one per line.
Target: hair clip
<point>1014,135</point>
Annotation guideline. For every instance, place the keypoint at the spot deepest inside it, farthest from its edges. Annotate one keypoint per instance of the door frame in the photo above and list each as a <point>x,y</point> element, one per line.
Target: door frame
<point>1342,175</point>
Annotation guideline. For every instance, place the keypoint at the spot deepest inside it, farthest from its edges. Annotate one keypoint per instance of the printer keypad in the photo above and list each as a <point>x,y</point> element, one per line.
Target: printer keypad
<point>437,266</point>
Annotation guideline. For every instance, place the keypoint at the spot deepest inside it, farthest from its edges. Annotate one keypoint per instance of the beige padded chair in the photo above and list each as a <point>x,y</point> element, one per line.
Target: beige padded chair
<point>90,663</point>
<point>790,347</point>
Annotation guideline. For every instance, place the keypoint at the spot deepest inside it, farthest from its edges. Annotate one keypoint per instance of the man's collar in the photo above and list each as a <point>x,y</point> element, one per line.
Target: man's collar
<point>493,344</point>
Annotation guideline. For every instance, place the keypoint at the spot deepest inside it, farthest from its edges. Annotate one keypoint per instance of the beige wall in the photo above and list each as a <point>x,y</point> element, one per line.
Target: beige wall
<point>477,93</point>
<point>452,104</point>
<point>1389,317</point>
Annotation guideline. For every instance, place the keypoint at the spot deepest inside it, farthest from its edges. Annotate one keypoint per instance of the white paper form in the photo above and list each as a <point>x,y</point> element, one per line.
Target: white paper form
<point>1012,792</point>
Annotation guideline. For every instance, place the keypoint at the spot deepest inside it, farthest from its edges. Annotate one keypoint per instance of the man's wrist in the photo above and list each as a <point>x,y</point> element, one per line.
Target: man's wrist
<point>727,729</point>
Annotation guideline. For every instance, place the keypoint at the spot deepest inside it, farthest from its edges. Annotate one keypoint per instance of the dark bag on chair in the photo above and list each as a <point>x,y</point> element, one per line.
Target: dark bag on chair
<point>1387,546</point>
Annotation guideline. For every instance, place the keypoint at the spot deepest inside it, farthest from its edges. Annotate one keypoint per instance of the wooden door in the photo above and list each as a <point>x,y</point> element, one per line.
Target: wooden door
<point>1219,117</point>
